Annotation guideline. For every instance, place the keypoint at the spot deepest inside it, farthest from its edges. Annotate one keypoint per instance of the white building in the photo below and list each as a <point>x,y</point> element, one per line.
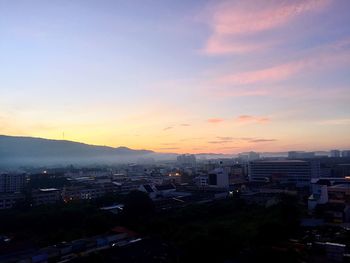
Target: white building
<point>219,178</point>
<point>319,195</point>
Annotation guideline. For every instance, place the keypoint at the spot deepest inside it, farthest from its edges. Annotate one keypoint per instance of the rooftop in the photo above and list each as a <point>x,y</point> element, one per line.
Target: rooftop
<point>279,161</point>
<point>343,186</point>
<point>48,189</point>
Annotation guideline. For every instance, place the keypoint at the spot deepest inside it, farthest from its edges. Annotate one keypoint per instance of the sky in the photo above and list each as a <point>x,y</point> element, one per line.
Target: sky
<point>178,76</point>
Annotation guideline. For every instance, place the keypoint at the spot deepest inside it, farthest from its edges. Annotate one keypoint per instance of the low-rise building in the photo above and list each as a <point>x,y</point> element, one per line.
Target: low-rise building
<point>46,196</point>
<point>201,180</point>
<point>218,178</point>
<point>165,189</point>
<point>82,193</point>
<point>339,193</point>
<point>9,200</point>
<point>345,153</point>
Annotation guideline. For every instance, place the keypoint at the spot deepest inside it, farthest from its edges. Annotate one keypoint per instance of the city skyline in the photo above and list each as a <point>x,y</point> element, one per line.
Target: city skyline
<point>184,77</point>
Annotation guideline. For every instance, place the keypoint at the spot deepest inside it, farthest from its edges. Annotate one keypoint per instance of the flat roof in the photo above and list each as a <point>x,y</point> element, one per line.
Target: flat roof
<point>344,186</point>
<point>280,161</point>
<point>48,189</point>
<point>120,206</point>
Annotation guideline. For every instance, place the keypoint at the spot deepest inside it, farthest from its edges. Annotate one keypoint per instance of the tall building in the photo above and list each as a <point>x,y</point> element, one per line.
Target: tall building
<point>335,153</point>
<point>11,183</point>
<point>186,160</point>
<point>298,172</point>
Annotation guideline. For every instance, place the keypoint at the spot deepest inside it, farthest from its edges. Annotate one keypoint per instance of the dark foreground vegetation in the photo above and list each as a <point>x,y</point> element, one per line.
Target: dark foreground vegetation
<point>221,231</point>
<point>227,230</point>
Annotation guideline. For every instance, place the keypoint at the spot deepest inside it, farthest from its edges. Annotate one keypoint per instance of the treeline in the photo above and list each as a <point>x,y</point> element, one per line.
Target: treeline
<point>222,231</point>
<point>47,225</point>
<point>228,230</point>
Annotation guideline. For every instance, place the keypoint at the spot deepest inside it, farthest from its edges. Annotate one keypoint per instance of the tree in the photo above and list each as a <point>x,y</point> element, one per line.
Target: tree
<point>137,204</point>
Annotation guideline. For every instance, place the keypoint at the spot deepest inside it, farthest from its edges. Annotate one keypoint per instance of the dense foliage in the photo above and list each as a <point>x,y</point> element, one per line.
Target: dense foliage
<point>220,231</point>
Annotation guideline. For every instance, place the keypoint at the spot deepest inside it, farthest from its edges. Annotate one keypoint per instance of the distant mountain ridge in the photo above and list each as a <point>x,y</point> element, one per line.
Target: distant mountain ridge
<point>31,150</point>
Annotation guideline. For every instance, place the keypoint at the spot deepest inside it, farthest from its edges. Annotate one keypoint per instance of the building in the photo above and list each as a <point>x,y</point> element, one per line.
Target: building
<point>165,189</point>
<point>9,200</point>
<point>250,156</point>
<point>339,193</point>
<point>332,197</point>
<point>46,196</point>
<point>319,195</point>
<point>335,153</point>
<point>186,160</point>
<point>12,183</point>
<point>219,178</point>
<point>149,189</point>
<point>201,180</point>
<point>297,172</point>
<point>345,153</point>
<point>82,193</point>
<point>300,155</point>
<point>174,177</point>
<point>156,191</point>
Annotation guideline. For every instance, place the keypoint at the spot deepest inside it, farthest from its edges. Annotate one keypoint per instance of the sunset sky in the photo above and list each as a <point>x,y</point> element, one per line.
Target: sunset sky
<point>178,76</point>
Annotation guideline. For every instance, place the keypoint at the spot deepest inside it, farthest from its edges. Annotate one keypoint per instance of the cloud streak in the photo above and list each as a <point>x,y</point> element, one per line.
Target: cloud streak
<point>228,139</point>
<point>345,121</point>
<point>215,120</point>
<point>245,119</point>
<point>323,59</point>
<point>262,140</point>
<point>220,142</point>
<point>234,22</point>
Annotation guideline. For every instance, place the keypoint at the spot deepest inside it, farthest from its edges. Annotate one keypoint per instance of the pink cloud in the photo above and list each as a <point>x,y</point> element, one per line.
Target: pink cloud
<point>225,92</point>
<point>215,120</point>
<point>232,22</point>
<point>330,56</point>
<point>251,16</point>
<point>245,119</point>
<point>271,74</point>
<point>217,46</point>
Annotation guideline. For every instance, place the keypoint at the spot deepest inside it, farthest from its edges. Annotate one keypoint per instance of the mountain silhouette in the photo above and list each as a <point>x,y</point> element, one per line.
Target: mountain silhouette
<point>16,150</point>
